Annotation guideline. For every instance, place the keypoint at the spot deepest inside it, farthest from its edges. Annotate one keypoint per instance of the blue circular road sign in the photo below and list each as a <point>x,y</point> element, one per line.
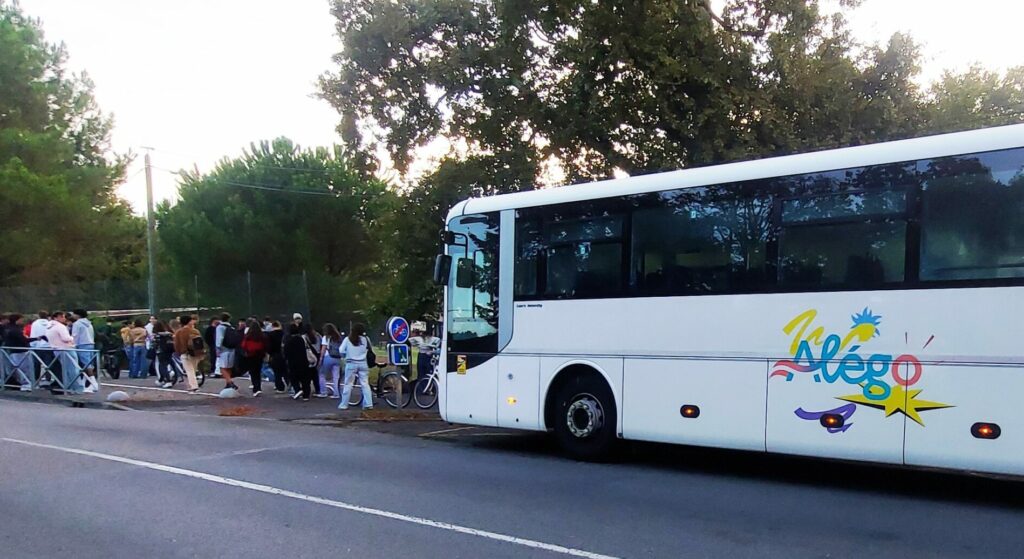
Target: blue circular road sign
<point>398,329</point>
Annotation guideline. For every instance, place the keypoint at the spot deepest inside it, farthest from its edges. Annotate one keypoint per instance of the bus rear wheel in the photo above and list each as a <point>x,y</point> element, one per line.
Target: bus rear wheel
<point>585,417</point>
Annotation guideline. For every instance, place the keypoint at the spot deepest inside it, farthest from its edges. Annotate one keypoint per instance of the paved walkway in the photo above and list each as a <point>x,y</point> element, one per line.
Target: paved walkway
<point>144,394</point>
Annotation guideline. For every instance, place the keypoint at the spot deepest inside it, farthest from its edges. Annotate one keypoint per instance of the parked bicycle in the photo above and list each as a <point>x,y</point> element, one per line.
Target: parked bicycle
<point>110,362</point>
<point>425,391</point>
<point>392,387</point>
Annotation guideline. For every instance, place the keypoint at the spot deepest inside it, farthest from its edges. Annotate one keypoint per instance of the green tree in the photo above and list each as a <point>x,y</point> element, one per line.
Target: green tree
<point>978,97</point>
<point>638,86</point>
<point>62,218</point>
<point>597,86</point>
<point>277,211</point>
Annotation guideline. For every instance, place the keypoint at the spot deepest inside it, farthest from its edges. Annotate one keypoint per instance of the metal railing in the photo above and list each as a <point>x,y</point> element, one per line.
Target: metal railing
<point>35,367</point>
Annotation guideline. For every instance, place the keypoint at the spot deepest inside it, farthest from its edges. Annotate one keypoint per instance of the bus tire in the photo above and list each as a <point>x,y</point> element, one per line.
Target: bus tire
<point>585,417</point>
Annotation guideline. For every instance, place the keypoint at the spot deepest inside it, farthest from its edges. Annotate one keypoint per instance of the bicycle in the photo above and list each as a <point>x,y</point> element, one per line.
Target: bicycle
<point>425,391</point>
<point>110,362</point>
<point>391,386</point>
<point>178,372</point>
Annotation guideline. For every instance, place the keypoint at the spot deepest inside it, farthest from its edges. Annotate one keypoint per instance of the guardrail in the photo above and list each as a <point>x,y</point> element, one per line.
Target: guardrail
<point>35,367</point>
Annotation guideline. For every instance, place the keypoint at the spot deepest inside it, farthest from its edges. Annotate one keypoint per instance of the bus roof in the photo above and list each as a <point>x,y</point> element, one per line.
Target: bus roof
<point>941,145</point>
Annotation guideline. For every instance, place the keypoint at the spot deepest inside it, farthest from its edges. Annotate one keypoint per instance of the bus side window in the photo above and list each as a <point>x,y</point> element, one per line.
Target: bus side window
<point>971,217</point>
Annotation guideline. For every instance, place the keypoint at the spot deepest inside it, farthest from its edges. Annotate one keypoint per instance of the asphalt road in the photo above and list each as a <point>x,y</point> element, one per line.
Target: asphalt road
<point>177,485</point>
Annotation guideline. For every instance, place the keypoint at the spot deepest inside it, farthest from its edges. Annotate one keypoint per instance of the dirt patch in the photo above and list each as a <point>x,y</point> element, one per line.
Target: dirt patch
<point>395,415</point>
<point>239,411</point>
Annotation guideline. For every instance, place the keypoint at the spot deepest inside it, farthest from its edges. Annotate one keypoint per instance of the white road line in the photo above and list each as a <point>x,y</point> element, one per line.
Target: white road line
<point>443,431</point>
<point>322,501</point>
<point>160,389</point>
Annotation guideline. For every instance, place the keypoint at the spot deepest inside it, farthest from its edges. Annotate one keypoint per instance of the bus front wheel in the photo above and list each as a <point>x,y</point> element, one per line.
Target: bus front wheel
<point>585,417</point>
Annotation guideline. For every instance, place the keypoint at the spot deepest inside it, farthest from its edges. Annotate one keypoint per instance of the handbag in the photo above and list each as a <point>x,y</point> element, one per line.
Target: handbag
<point>371,357</point>
<point>311,356</point>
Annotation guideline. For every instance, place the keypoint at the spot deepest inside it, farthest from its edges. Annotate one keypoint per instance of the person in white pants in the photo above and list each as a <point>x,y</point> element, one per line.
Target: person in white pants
<point>354,348</point>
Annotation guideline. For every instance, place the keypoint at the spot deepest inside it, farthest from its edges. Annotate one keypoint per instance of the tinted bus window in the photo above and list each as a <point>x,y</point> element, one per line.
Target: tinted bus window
<point>844,229</point>
<point>584,256</point>
<point>972,217</point>
<point>701,240</point>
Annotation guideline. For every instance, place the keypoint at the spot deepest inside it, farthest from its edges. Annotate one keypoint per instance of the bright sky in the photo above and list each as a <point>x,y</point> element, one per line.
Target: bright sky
<point>199,80</point>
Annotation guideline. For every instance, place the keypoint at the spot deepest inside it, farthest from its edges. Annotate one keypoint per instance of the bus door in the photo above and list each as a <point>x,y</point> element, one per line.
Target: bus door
<point>471,339</point>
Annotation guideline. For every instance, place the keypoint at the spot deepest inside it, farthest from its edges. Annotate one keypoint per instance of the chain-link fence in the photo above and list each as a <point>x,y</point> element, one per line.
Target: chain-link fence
<point>318,297</point>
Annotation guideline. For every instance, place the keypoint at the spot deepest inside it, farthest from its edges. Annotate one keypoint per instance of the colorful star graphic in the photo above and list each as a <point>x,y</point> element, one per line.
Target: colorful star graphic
<point>899,400</point>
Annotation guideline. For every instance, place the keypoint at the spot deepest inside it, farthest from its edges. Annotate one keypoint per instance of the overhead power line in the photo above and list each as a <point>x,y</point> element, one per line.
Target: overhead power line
<point>258,186</point>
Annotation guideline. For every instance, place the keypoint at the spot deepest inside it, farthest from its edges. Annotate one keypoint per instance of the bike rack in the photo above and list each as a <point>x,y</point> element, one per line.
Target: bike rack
<point>62,367</point>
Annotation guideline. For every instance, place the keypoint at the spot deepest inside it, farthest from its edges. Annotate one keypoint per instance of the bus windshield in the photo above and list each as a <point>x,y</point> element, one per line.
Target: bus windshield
<point>473,285</point>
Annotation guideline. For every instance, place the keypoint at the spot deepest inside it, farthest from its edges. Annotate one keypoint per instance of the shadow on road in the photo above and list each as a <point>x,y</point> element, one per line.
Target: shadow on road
<point>832,474</point>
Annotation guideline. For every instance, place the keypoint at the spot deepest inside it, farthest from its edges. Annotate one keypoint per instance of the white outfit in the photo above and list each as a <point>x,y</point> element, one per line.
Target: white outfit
<point>225,356</point>
<point>355,364</point>
<point>38,330</point>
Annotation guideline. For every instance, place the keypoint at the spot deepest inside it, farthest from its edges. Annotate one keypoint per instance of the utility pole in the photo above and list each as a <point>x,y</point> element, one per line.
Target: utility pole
<point>150,231</point>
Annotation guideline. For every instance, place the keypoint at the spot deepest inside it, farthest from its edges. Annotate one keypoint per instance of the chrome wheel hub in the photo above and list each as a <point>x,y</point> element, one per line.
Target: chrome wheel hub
<point>584,416</point>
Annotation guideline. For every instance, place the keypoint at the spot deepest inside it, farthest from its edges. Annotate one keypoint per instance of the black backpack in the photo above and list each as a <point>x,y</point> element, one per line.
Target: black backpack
<point>232,339</point>
<point>196,346</point>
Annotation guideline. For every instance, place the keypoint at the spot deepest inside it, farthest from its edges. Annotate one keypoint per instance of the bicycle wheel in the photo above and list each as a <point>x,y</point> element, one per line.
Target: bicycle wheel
<point>425,393</point>
<point>112,365</point>
<point>355,398</point>
<point>394,389</point>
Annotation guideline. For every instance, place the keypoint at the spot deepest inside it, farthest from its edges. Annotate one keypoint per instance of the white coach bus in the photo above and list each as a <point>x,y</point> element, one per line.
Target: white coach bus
<point>864,303</point>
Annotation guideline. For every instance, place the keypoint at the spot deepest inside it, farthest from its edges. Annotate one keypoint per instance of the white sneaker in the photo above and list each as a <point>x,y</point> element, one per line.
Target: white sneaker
<point>166,385</point>
<point>26,388</point>
<point>90,389</point>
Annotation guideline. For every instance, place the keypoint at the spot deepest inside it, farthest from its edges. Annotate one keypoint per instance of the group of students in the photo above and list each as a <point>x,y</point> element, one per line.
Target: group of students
<point>300,359</point>
<point>158,346</point>
<point>68,354</point>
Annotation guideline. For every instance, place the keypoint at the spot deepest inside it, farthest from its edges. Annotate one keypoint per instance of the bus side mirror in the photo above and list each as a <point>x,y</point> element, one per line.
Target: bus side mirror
<point>447,237</point>
<point>442,269</point>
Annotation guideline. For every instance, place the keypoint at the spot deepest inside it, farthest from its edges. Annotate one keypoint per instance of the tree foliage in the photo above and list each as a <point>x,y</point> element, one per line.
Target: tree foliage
<point>279,210</point>
<point>635,86</point>
<point>62,218</point>
<point>639,86</point>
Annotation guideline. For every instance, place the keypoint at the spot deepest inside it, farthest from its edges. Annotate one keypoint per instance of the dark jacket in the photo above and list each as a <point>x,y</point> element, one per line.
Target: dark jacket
<point>275,342</point>
<point>15,337</point>
<point>210,336</point>
<point>164,343</point>
<point>295,353</point>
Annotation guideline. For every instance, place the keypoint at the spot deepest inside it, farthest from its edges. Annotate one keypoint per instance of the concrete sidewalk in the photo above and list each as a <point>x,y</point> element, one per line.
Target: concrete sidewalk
<point>145,395</point>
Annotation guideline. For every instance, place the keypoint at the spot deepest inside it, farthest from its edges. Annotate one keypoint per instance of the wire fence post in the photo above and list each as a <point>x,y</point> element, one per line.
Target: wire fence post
<point>305,294</point>
<point>248,280</point>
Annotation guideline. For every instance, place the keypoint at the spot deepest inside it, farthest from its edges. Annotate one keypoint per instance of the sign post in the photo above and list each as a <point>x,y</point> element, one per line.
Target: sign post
<point>398,351</point>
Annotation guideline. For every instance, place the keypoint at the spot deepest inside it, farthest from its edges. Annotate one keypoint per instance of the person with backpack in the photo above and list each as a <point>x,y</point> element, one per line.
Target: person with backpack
<point>254,351</point>
<point>189,345</point>
<point>356,351</point>
<point>227,341</point>
<point>330,361</point>
<point>301,359</point>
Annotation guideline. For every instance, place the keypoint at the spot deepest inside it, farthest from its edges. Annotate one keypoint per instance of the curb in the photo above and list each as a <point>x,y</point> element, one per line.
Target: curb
<point>62,400</point>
